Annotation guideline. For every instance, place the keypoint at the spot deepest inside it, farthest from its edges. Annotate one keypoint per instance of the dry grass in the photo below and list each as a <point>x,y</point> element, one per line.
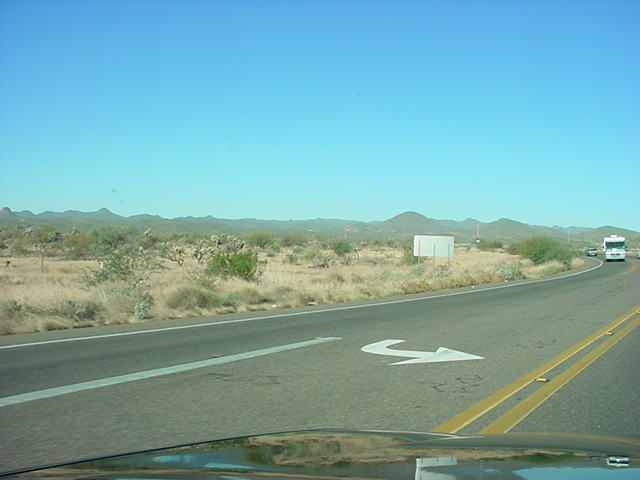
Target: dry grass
<point>31,300</point>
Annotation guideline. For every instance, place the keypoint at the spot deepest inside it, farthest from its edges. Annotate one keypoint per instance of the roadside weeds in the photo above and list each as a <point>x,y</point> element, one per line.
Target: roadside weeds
<point>32,300</point>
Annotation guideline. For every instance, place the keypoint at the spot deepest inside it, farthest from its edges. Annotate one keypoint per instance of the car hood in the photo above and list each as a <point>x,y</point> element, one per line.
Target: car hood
<point>330,454</point>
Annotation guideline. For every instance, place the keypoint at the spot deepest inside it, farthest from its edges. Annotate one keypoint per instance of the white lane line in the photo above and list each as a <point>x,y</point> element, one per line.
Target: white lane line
<point>308,312</point>
<point>105,382</point>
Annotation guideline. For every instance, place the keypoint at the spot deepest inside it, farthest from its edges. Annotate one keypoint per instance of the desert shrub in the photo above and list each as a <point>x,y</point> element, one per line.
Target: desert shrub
<point>128,263</point>
<point>407,254</point>
<point>323,261</point>
<point>442,271</point>
<point>142,308</point>
<point>346,261</point>
<point>341,247</point>
<point>544,249</point>
<point>105,240</point>
<point>419,270</point>
<point>260,240</point>
<point>248,296</point>
<point>44,239</point>
<point>294,240</point>
<point>335,278</point>
<point>18,247</point>
<point>173,252</point>
<point>11,310</point>
<point>243,265</point>
<point>310,253</point>
<point>77,244</point>
<point>486,245</point>
<point>306,298</point>
<point>204,248</point>
<point>511,271</point>
<point>282,291</point>
<point>551,268</point>
<point>79,311</point>
<point>128,299</point>
<point>191,297</point>
<point>415,286</point>
<point>275,245</point>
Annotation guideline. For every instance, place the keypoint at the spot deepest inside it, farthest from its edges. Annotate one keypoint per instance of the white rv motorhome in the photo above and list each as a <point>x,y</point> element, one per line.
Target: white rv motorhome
<point>614,248</point>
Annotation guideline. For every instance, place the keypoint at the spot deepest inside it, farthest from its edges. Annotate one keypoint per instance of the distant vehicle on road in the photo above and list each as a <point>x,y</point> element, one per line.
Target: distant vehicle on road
<point>590,251</point>
<point>614,248</point>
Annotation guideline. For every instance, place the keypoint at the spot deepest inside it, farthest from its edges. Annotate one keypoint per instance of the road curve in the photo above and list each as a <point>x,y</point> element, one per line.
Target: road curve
<point>331,384</point>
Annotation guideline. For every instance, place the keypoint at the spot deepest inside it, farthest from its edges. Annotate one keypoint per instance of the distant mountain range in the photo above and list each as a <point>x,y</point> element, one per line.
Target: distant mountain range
<point>401,226</point>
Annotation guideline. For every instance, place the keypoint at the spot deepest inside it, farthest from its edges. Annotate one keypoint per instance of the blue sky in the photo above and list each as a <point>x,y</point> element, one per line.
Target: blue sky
<point>294,109</point>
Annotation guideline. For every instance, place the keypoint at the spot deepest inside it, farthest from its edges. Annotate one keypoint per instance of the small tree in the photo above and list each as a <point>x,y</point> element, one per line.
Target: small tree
<point>44,238</point>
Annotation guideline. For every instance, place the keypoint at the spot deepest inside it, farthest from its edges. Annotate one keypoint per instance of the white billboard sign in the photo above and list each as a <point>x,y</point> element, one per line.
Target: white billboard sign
<point>432,246</point>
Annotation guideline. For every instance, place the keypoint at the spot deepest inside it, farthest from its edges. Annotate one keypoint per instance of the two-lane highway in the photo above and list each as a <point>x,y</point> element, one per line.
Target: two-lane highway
<point>254,373</point>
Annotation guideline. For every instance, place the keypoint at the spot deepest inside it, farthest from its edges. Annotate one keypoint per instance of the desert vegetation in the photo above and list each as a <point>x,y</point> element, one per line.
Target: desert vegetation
<point>67,279</point>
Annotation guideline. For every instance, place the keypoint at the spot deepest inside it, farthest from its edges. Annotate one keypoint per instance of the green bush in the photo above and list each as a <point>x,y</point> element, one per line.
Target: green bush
<point>544,249</point>
<point>244,265</point>
<point>341,247</point>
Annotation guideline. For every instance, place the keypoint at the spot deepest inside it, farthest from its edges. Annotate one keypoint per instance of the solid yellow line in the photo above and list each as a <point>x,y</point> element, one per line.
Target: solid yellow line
<point>464,418</point>
<point>518,413</point>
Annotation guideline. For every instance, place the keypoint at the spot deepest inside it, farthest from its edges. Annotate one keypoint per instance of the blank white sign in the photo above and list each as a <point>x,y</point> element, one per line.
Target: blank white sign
<point>432,246</point>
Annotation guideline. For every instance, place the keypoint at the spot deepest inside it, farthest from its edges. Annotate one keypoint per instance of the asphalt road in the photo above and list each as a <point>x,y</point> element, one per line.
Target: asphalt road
<point>514,327</point>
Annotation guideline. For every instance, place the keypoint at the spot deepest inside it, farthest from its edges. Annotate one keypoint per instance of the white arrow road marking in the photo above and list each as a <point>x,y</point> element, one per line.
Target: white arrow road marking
<point>105,382</point>
<point>440,355</point>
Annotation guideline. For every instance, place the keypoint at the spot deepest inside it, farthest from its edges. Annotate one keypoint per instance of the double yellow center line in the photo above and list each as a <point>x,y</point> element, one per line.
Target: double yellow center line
<point>518,413</point>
